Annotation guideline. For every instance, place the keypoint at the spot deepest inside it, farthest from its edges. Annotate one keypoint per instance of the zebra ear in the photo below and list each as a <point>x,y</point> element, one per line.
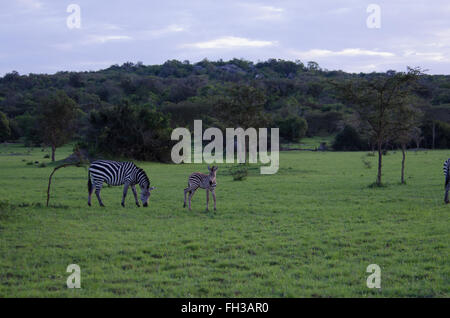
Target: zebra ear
<point>216,167</point>
<point>209,168</point>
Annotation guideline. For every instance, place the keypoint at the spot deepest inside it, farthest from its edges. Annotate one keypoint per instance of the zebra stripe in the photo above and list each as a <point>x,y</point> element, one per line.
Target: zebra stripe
<point>205,181</point>
<point>117,173</point>
<point>447,179</point>
<point>201,180</point>
<point>447,168</point>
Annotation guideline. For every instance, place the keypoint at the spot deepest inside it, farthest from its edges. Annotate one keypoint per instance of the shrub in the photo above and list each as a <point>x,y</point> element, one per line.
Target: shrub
<point>239,172</point>
<point>292,128</point>
<point>348,140</point>
<point>323,123</point>
<point>131,132</point>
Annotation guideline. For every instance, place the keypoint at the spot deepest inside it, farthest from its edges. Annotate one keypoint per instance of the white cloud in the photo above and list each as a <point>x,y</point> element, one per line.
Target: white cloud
<point>263,12</point>
<point>110,27</point>
<point>101,39</point>
<point>425,56</point>
<point>30,4</point>
<point>91,40</point>
<point>173,28</point>
<point>340,11</point>
<point>230,42</point>
<point>350,52</point>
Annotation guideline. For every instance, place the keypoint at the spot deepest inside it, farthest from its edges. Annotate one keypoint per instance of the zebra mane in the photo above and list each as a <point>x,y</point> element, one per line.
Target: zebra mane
<point>447,171</point>
<point>142,177</point>
<point>447,165</point>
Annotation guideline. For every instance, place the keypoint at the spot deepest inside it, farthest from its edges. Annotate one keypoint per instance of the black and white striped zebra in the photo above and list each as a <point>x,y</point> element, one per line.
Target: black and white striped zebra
<point>205,181</point>
<point>116,173</point>
<point>447,179</point>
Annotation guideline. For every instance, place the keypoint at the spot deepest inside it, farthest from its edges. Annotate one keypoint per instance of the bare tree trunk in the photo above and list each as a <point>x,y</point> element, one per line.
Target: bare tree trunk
<point>53,152</point>
<point>403,162</point>
<point>380,158</point>
<point>51,175</point>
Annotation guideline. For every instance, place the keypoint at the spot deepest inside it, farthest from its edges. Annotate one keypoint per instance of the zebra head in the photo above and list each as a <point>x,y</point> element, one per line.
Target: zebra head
<point>212,176</point>
<point>144,183</point>
<point>145,195</point>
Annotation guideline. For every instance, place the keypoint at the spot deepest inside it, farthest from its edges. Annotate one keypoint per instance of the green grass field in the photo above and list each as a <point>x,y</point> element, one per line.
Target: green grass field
<point>310,230</point>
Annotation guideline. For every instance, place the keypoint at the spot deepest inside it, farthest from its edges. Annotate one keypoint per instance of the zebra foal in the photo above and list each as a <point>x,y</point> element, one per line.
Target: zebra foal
<point>447,179</point>
<point>117,173</point>
<point>205,181</point>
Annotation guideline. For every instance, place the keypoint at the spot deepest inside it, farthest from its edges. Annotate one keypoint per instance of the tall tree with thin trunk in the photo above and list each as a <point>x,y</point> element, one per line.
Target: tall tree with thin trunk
<point>375,99</point>
<point>405,128</point>
<point>57,118</point>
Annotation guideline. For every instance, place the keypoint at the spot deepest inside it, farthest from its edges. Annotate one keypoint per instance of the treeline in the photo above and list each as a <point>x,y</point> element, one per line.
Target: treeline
<point>129,110</point>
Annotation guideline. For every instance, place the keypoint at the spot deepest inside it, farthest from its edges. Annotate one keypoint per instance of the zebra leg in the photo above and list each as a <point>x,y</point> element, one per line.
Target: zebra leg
<point>191,194</point>
<point>214,197</point>
<point>125,190</point>
<point>185,192</point>
<point>133,188</point>
<point>207,199</point>
<point>97,193</point>
<point>90,190</point>
<point>447,189</point>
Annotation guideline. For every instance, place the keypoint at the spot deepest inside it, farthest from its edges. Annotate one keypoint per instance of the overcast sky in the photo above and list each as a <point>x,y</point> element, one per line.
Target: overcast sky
<point>35,37</point>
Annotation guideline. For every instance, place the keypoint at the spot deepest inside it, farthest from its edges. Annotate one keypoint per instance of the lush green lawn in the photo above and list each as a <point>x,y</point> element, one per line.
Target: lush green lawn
<point>310,230</point>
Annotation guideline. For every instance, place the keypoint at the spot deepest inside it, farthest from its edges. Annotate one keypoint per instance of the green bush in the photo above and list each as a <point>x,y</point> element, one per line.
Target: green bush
<point>131,132</point>
<point>349,140</point>
<point>239,172</point>
<point>292,128</point>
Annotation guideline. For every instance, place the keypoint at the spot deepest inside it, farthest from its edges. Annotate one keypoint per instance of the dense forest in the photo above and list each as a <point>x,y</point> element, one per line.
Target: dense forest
<point>130,110</point>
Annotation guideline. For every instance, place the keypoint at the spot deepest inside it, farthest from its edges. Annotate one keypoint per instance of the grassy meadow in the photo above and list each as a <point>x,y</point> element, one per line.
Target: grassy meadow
<point>310,230</point>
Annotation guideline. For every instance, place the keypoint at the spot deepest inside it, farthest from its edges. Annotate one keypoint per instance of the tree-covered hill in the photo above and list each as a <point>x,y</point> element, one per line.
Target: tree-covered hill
<point>179,92</point>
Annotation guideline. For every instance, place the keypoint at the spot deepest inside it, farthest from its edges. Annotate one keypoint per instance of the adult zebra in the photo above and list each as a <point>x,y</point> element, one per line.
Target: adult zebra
<point>205,181</point>
<point>116,173</point>
<point>447,179</point>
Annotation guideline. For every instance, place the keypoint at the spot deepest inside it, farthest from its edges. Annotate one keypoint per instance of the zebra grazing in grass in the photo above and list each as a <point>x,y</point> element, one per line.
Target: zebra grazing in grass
<point>447,179</point>
<point>116,173</point>
<point>205,181</point>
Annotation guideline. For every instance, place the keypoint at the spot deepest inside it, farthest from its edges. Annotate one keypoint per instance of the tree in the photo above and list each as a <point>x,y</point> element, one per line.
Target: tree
<point>56,119</point>
<point>292,128</point>
<point>313,66</point>
<point>416,136</point>
<point>348,140</point>
<point>243,106</point>
<point>5,130</point>
<point>406,121</point>
<point>375,100</point>
<point>28,126</point>
<point>130,131</point>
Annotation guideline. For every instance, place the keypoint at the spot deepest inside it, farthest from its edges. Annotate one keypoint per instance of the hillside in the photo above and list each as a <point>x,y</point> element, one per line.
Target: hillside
<point>183,91</point>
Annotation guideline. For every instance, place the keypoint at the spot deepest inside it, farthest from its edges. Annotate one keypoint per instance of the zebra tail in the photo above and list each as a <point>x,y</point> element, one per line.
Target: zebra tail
<point>89,182</point>
<point>447,172</point>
